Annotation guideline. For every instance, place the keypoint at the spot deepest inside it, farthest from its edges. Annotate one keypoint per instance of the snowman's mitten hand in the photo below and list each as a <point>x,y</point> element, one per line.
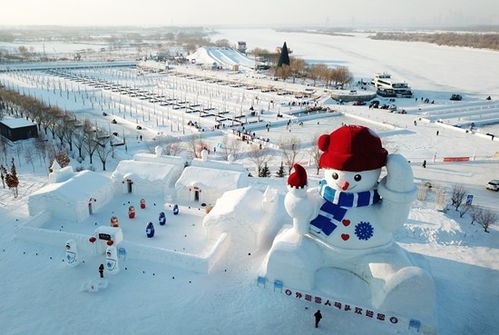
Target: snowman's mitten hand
<point>399,176</point>
<point>298,179</point>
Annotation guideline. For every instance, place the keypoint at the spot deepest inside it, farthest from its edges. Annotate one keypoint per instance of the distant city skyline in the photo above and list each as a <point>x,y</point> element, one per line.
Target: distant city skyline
<point>327,13</point>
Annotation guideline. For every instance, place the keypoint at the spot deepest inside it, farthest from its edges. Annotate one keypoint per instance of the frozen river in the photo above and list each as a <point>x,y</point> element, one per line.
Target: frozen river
<point>426,67</point>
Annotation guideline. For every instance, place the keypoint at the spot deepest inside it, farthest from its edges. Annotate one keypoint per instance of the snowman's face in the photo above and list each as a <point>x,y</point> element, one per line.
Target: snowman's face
<point>346,181</point>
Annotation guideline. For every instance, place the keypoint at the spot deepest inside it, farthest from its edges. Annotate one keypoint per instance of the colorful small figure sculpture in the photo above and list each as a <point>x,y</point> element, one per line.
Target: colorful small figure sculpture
<point>142,203</point>
<point>131,212</point>
<point>162,218</point>
<point>114,221</point>
<point>150,230</point>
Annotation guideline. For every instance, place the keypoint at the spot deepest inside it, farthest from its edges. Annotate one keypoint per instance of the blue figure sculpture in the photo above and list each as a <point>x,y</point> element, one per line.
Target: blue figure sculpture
<point>175,209</point>
<point>162,218</point>
<point>150,230</point>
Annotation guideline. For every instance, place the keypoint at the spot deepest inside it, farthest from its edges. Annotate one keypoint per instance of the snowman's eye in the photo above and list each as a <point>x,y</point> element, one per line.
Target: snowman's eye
<point>335,175</point>
<point>357,177</point>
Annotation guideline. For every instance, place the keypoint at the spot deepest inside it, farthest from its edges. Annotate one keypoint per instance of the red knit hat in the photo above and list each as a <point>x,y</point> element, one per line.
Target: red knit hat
<point>351,148</point>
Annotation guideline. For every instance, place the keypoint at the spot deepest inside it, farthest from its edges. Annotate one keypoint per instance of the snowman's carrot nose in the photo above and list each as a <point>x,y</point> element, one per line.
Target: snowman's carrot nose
<point>345,185</point>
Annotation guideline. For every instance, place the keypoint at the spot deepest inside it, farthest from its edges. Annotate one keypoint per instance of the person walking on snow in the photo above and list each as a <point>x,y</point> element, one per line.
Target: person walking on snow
<point>424,164</point>
<point>318,317</point>
<point>101,270</point>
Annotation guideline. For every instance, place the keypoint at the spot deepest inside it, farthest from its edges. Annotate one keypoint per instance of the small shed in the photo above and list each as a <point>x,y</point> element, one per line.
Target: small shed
<point>18,129</point>
<point>74,199</point>
<point>146,178</point>
<point>206,184</point>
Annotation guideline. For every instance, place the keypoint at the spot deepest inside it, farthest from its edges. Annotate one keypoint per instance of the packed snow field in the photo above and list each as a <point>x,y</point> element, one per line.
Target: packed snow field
<point>41,294</point>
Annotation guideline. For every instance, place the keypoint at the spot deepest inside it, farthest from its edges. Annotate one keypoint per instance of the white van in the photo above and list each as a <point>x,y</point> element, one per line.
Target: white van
<point>493,185</point>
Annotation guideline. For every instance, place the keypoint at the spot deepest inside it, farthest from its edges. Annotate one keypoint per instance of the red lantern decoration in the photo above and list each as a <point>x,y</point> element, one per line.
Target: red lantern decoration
<point>92,239</point>
<point>110,242</point>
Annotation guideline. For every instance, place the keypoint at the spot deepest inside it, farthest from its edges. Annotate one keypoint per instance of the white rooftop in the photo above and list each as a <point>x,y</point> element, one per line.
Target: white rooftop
<point>145,170</point>
<point>211,178</point>
<point>82,186</point>
<point>17,123</point>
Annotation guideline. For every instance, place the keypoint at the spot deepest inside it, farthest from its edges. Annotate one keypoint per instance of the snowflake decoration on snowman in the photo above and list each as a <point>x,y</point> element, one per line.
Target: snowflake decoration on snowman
<point>348,222</point>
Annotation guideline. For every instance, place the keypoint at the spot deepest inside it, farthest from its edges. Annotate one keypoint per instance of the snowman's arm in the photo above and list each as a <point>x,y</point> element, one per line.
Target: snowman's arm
<point>398,192</point>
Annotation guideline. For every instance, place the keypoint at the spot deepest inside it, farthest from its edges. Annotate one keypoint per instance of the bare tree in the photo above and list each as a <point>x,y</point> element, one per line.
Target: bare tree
<point>41,149</point>
<point>464,209</point>
<point>290,148</point>
<point>486,219</point>
<point>196,145</point>
<point>3,172</point>
<point>28,156</point>
<point>231,146</point>
<point>283,72</point>
<point>298,67</point>
<point>458,193</point>
<point>315,153</point>
<point>476,212</point>
<point>4,149</point>
<point>174,147</point>
<point>104,149</point>
<point>317,71</point>
<point>259,157</point>
<point>79,140</point>
<point>343,75</point>
<point>90,142</point>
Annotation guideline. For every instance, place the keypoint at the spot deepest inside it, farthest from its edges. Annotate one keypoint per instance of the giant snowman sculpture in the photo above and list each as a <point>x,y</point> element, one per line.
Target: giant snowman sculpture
<point>347,223</point>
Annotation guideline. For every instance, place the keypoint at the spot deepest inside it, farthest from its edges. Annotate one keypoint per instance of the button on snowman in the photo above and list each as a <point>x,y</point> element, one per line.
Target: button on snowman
<point>348,221</point>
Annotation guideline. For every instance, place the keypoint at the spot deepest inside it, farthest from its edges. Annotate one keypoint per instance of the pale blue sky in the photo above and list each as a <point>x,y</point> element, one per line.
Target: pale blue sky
<point>251,12</point>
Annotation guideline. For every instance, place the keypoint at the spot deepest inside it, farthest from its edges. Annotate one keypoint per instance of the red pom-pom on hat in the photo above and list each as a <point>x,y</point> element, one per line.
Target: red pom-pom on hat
<point>352,148</point>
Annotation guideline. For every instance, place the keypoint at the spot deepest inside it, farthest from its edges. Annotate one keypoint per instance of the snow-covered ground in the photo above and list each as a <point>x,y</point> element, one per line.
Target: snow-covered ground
<point>40,294</point>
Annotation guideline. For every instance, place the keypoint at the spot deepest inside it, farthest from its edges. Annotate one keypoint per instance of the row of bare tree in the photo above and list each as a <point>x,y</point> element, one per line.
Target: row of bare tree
<point>61,125</point>
<point>331,77</point>
<point>483,216</point>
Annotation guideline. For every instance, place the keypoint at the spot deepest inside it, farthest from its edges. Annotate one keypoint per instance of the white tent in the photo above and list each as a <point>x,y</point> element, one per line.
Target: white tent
<point>74,199</point>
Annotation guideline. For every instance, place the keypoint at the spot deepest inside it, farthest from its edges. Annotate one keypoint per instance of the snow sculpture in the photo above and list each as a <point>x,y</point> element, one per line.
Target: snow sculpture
<point>348,222</point>
<point>112,265</point>
<point>175,209</point>
<point>204,155</point>
<point>162,218</point>
<point>131,212</point>
<point>158,151</point>
<point>72,258</point>
<point>105,236</point>
<point>150,230</point>
<point>114,221</point>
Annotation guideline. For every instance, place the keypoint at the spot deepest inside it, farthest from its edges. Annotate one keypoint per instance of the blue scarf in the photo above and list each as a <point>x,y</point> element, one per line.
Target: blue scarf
<point>337,204</point>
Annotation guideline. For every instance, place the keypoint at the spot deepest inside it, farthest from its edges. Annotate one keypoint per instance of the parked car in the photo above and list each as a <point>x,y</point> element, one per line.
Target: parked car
<point>374,104</point>
<point>456,97</point>
<point>359,103</point>
<point>493,185</point>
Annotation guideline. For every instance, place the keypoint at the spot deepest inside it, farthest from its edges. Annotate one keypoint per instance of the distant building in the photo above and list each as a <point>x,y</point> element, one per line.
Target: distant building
<point>18,129</point>
<point>241,47</point>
